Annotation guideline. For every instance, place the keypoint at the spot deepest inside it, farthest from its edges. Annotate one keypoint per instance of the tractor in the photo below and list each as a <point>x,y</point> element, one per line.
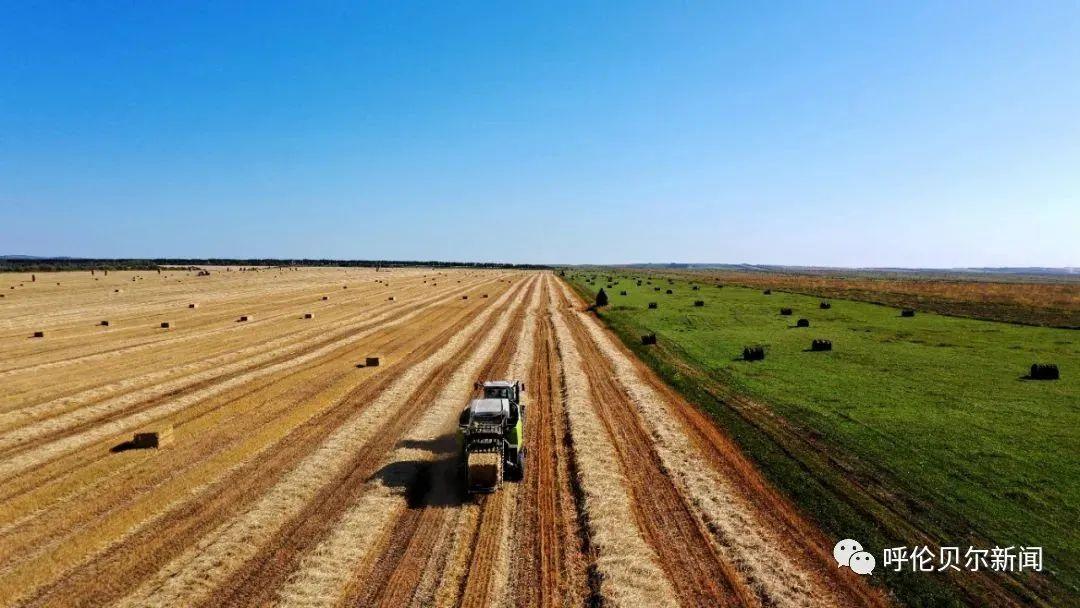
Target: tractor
<point>490,436</point>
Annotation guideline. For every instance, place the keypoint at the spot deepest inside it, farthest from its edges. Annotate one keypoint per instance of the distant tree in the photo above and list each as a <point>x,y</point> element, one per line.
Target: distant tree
<point>601,298</point>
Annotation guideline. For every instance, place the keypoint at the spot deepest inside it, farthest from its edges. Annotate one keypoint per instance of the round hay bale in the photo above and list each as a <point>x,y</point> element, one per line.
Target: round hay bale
<point>821,345</point>
<point>1044,371</point>
<point>153,439</point>
<point>907,312</point>
<point>767,292</point>
<point>309,315</point>
<point>104,324</point>
<point>785,311</point>
<point>483,469</point>
<point>648,339</point>
<point>39,334</point>
<point>652,305</point>
<point>802,323</point>
<point>699,303</point>
<point>166,325</point>
<point>753,353</point>
<point>824,305</point>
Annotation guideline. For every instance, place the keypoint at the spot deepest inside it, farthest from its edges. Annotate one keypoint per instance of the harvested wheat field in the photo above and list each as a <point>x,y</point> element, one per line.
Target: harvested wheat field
<point>273,466</point>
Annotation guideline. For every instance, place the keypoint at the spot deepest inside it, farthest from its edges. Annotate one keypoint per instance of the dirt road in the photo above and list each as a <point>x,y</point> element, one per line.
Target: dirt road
<point>298,478</point>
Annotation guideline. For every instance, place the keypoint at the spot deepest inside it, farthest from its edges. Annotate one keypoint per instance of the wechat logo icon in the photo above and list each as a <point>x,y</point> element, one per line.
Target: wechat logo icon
<point>850,553</point>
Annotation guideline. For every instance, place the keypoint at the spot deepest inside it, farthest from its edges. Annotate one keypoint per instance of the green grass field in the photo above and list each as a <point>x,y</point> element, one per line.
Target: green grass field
<point>929,417</point>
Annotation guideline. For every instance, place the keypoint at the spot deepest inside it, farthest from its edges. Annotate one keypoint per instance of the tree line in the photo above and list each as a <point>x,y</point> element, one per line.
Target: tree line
<point>61,264</point>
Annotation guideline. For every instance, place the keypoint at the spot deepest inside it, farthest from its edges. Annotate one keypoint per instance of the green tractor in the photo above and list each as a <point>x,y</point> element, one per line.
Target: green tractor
<point>490,436</point>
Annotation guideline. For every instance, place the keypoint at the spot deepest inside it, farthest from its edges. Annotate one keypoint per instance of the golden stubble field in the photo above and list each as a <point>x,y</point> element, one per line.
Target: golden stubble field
<point>295,477</point>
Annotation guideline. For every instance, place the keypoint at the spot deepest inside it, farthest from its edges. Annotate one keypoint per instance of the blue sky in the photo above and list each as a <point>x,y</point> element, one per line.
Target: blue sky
<point>855,134</point>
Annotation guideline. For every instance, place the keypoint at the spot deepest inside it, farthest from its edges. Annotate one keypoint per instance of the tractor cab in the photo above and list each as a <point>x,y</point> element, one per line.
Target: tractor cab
<point>502,389</point>
<point>509,390</point>
<point>486,411</point>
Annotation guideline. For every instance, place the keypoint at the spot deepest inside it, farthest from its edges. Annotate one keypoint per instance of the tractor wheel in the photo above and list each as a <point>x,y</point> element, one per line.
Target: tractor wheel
<point>517,472</point>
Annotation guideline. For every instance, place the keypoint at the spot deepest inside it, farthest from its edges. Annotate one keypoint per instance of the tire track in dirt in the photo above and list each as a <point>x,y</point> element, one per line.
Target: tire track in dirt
<point>300,590</point>
<point>754,541</point>
<point>485,580</point>
<point>152,297</point>
<point>91,299</point>
<point>123,566</point>
<point>627,566</point>
<point>441,553</point>
<point>765,539</point>
<point>176,341</point>
<point>700,575</point>
<point>329,517</point>
<point>43,453</point>
<point>549,565</point>
<point>91,503</point>
<point>56,471</point>
<point>197,325</point>
<point>486,547</point>
<point>201,320</point>
<point>558,558</point>
<point>171,361</point>
<point>219,370</point>
<point>201,570</point>
<point>227,351</point>
<point>323,574</point>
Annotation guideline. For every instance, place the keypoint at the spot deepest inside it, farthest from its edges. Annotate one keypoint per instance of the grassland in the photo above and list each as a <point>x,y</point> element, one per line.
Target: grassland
<point>912,431</point>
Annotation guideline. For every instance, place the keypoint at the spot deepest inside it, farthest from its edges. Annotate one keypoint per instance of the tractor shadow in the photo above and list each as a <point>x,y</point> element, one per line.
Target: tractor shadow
<point>438,482</point>
<point>123,446</point>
